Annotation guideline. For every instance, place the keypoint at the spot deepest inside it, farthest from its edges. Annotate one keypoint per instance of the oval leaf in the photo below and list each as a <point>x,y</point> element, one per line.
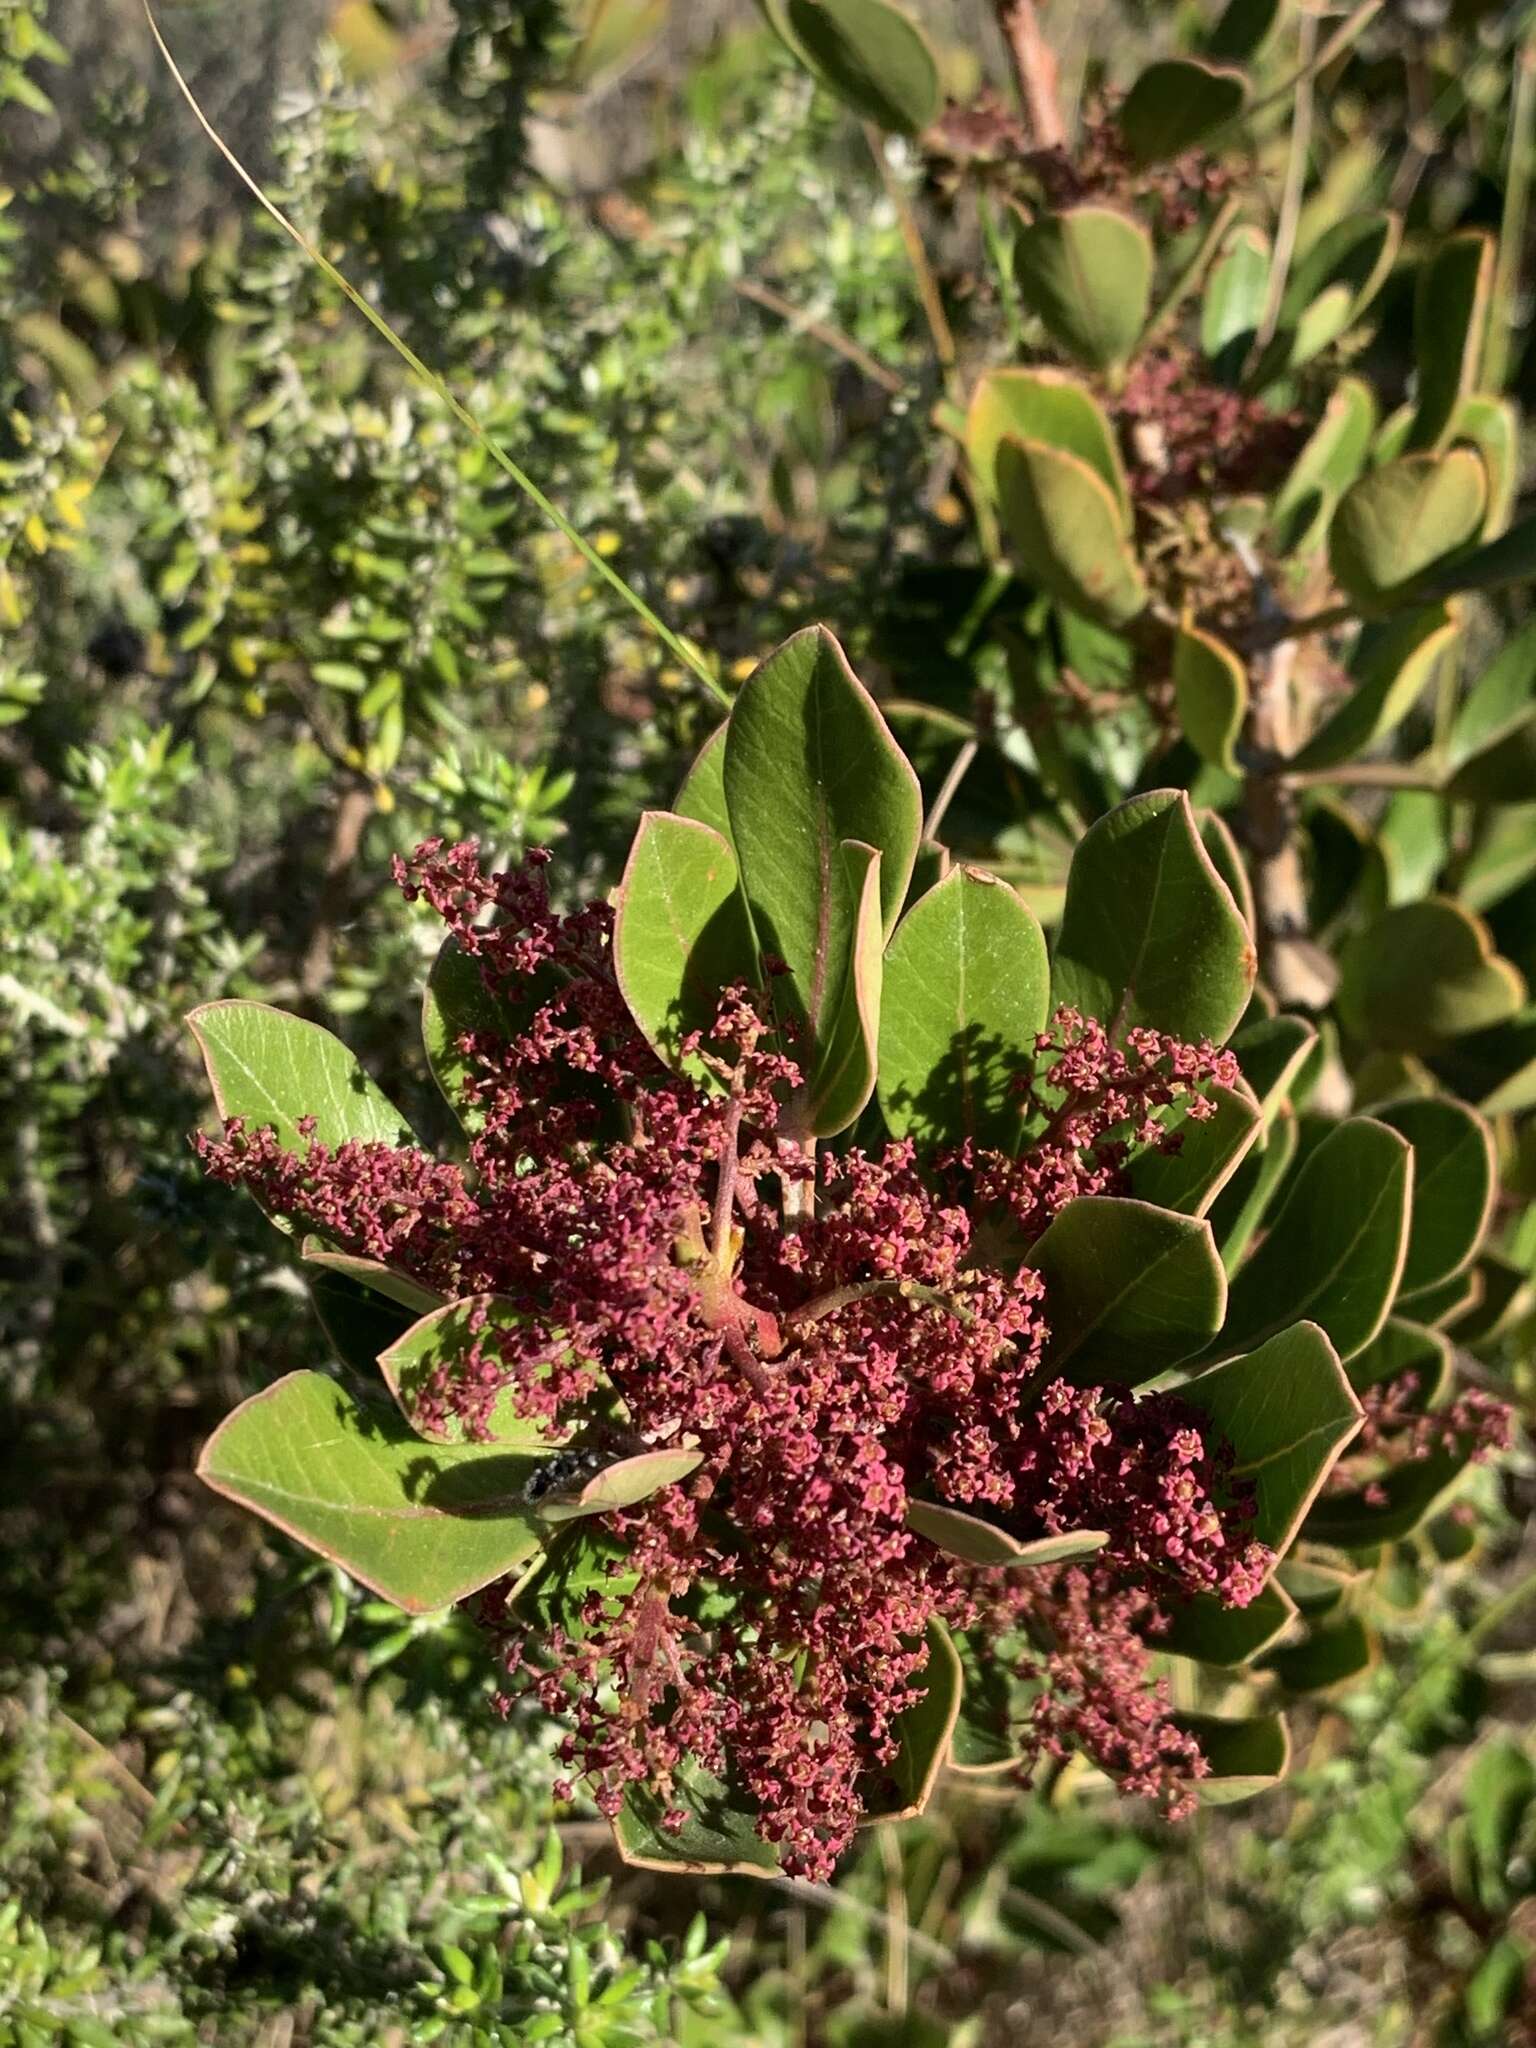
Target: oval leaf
<point>1087,273</point>
<point>1046,406</point>
<point>875,60</point>
<point>1396,522</point>
<point>681,933</point>
<point>1454,1184</point>
<point>809,763</point>
<point>1334,1253</point>
<point>1174,103</point>
<point>419,1524</point>
<point>621,1485</point>
<point>1130,1290</point>
<point>1287,1410</point>
<point>1450,322</point>
<point>271,1069</point>
<point>961,1535</point>
<point>1065,527</point>
<point>1425,973</point>
<point>439,1346</point>
<point>1150,933</point>
<point>967,991</point>
<point>1210,691</point>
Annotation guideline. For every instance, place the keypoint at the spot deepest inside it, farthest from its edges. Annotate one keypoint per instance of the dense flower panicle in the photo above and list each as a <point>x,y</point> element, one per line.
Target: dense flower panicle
<point>1399,1429</point>
<point>834,1337</point>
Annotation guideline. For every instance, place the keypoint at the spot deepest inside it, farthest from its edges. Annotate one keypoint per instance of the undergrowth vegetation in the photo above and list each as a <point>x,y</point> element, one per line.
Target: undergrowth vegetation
<point>916,1426</point>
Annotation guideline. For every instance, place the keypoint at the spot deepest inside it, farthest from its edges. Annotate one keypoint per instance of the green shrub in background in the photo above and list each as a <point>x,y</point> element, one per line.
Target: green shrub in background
<point>799,477</point>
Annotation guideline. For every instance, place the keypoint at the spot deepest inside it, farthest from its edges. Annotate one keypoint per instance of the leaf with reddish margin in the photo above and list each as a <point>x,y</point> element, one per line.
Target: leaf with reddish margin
<point>681,933</point>
<point>958,1534</point>
<point>1150,933</point>
<point>272,1068</point>
<point>809,764</point>
<point>1130,1290</point>
<point>420,1524</point>
<point>621,1485</point>
<point>437,1345</point>
<point>1287,1410</point>
<point>967,990</point>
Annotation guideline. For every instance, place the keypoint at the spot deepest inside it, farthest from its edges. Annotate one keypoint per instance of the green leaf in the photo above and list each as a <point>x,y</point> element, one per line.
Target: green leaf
<point>923,1732</point>
<point>1210,692</point>
<point>1424,973</point>
<point>702,796</point>
<point>1270,1051</point>
<point>419,1524</point>
<point>874,59</point>
<point>370,1273</point>
<point>1233,303</point>
<point>1326,1658</point>
<point>1407,1496</point>
<point>1495,1068</point>
<point>680,933</point>
<point>620,1485</point>
<point>1150,934</point>
<point>359,1324</point>
<point>1209,1631</point>
<point>1511,559</point>
<point>1391,667</point>
<point>1174,103</point>
<point>1065,527</point>
<point>958,1534</point>
<point>1454,1183</point>
<point>1504,1296</point>
<point>1087,273</point>
<point>1243,1203</point>
<point>1334,1253</point>
<point>1399,1347</point>
<point>1492,747</point>
<point>1492,425</point>
<point>1395,523</point>
<point>967,990</point>
<point>1287,1410</point>
<point>1210,1150</point>
<point>1129,1290</point>
<point>271,1069</point>
<point>995,1703</point>
<point>1053,408</point>
<point>843,1077</point>
<point>719,1834</point>
<point>810,763</point>
<point>1327,465</point>
<point>436,1348</point>
<point>455,1003</point>
<point>1246,1757</point>
<point>1450,321</point>
<point>1500,1790</point>
<point>1245,30</point>
<point>1446,1303</point>
<point>1331,285</point>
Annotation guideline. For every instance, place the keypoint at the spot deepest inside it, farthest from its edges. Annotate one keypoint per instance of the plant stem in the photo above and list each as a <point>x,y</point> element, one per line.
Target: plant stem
<point>1274,631</point>
<point>1291,192</point>
<point>1348,31</point>
<point>834,338</point>
<point>1519,175</point>
<point>1368,775</point>
<point>952,781</point>
<point>1035,70</point>
<point>1007,284</point>
<point>677,646</point>
<point>1189,277</point>
<point>725,1189</point>
<point>927,284</point>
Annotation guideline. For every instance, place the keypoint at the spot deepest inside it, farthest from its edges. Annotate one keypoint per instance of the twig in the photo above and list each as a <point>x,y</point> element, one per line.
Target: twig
<point>806,1889</point>
<point>1368,775</point>
<point>1520,173</point>
<point>1347,32</point>
<point>600,566</point>
<point>352,814</point>
<point>898,1930</point>
<point>959,767</point>
<point>1275,630</point>
<point>1035,70</point>
<point>917,256</point>
<point>1291,192</point>
<point>819,330</point>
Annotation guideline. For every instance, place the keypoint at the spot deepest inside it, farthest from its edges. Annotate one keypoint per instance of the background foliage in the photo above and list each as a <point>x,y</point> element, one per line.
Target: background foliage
<point>269,618</point>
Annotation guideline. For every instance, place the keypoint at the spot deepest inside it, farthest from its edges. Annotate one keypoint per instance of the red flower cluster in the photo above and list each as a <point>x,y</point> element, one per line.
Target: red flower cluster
<point>835,1335</point>
<point>1185,435</point>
